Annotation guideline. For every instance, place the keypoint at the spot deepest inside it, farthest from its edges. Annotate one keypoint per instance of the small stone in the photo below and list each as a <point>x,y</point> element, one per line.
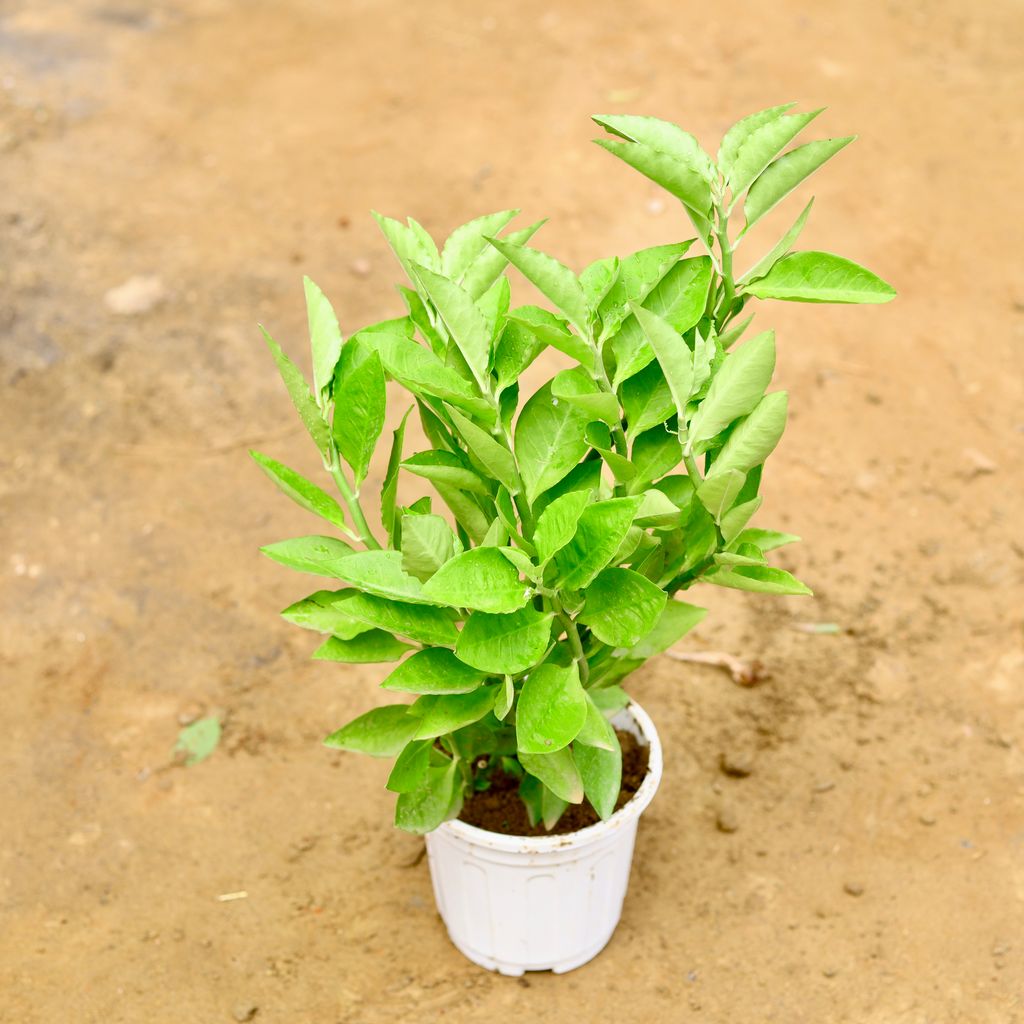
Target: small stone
<point>830,972</point>
<point>979,463</point>
<point>737,763</point>
<point>244,1011</point>
<point>726,820</point>
<point>927,819</point>
<point>137,295</point>
<point>190,713</point>
<point>824,786</point>
<point>853,889</point>
<point>925,789</point>
<point>361,267</point>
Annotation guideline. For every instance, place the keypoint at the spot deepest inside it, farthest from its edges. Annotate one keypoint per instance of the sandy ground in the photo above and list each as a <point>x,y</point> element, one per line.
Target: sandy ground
<point>226,147</point>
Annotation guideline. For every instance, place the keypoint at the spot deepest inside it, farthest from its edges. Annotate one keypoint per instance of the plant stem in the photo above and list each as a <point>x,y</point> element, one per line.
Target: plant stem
<point>725,247</point>
<point>574,639</point>
<point>355,509</point>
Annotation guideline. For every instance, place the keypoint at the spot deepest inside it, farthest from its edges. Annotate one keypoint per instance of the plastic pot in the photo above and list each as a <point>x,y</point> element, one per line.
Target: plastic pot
<point>523,903</point>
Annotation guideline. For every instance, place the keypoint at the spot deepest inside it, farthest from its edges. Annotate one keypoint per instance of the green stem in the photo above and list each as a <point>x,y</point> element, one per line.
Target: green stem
<point>352,502</point>
<point>725,248</point>
<point>574,639</point>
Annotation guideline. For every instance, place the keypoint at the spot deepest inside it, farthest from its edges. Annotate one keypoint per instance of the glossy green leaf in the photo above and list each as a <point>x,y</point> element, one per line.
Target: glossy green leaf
<point>663,136</point>
<point>435,670</point>
<point>766,540</point>
<point>516,349</point>
<point>443,713</point>
<point>761,579</point>
<point>467,242</point>
<point>657,510</point>
<point>736,388</point>
<point>346,613</point>
<point>677,619</point>
<point>551,710</point>
<point>598,278</point>
<point>503,702</point>
<point>736,518</point>
<point>578,388</point>
<point>780,178</point>
<point>448,468</point>
<point>482,579</point>
<point>621,607</point>
<point>820,277</point>
<point>324,335</point>
<point>301,490</point>
<point>380,573</point>
<point>646,399</point>
<point>408,245</point>
<point>655,452</point>
<point>410,769</point>
<point>317,555</point>
<point>370,648</point>
<point>436,799</point>
<point>300,395</point>
<point>770,258</point>
<point>742,130</point>
<point>673,355</point>
<point>492,456</point>
<point>359,403</point>
<point>503,644</point>
<point>762,146</point>
<point>466,324</point>
<point>599,437</point>
<point>601,529</point>
<point>754,438</point>
<point>389,489</point>
<point>381,732</point>
<point>719,490</point>
<point>554,280</point>
<point>487,267</point>
<point>556,525</point>
<point>601,774</point>
<point>558,772</point>
<point>553,330</point>
<point>596,730</point>
<point>427,543</point>
<point>548,441</point>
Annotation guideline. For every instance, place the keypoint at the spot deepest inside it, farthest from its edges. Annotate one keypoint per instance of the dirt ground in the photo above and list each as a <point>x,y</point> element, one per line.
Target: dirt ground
<point>225,147</point>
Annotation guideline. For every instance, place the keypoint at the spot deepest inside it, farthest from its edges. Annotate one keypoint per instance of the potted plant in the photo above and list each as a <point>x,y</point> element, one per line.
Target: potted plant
<point>575,515</point>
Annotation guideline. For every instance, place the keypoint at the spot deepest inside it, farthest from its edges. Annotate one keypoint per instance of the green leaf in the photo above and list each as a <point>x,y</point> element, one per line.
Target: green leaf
<point>655,453</point>
<point>765,264</point>
<point>553,330</point>
<point>596,730</point>
<point>317,555</point>
<point>736,388</point>
<point>663,136</point>
<point>598,278</point>
<point>556,525</point>
<point>742,130</point>
<point>517,348</point>
<point>389,489</point>
<point>301,490</point>
<point>443,713</point>
<point>467,242</point>
<point>601,773</point>
<point>622,607</point>
<point>820,277</point>
<point>766,540</point>
<point>762,146</point>
<point>381,732</point>
<point>407,244</point>
<point>657,510</point>
<point>599,437</point>
<point>324,335</point>
<point>754,438</point>
<point>719,490</point>
<point>482,579</point>
<point>673,355</point>
<point>435,800</point>
<point>577,387</point>
<point>736,518</point>
<point>494,457</point>
<point>359,403</point>
<point>550,277</point>
<point>487,267</point>
<point>609,699</point>
<point>679,299</point>
<point>466,509</point>
<point>503,702</point>
<point>646,399</point>
<point>548,441</point>
<point>551,710</point>
<point>504,643</point>
<point>762,579</point>
<point>427,543</point>
<point>601,529</point>
<point>729,338</point>
<point>346,613</point>
<point>198,740</point>
<point>680,177</point>
<point>675,622</point>
<point>558,772</point>
<point>780,178</point>
<point>381,573</point>
<point>410,769</point>
<point>300,395</point>
<point>448,468</point>
<point>435,670</point>
<point>466,324</point>
<point>372,647</point>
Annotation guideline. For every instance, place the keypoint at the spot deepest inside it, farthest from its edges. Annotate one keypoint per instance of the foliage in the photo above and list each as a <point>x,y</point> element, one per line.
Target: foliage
<point>574,521</point>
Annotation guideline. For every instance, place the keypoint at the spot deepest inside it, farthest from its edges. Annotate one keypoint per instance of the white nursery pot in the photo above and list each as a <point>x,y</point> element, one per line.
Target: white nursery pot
<point>524,903</point>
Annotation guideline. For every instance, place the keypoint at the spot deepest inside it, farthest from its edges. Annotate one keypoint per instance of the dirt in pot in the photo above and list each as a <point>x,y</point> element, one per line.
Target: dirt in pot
<point>499,809</point>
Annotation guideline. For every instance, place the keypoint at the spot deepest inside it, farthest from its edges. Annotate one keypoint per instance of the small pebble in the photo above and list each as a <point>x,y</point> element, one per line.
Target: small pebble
<point>830,972</point>
<point>726,820</point>
<point>737,763</point>
<point>925,789</point>
<point>137,295</point>
<point>927,819</point>
<point>361,267</point>
<point>824,786</point>
<point>244,1011</point>
<point>853,889</point>
<point>190,713</point>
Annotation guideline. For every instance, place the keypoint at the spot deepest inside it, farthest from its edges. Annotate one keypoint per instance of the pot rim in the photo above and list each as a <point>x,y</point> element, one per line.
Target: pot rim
<point>626,814</point>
